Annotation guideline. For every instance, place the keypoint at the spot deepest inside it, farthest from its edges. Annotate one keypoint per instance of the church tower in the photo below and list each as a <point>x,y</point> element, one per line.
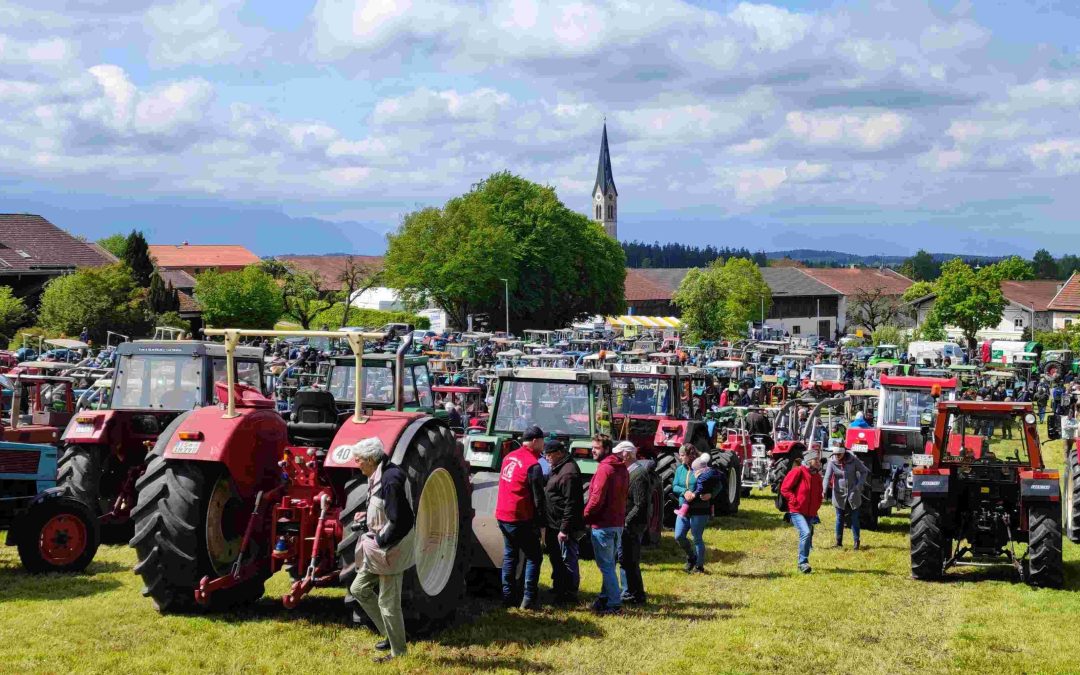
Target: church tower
<point>605,196</point>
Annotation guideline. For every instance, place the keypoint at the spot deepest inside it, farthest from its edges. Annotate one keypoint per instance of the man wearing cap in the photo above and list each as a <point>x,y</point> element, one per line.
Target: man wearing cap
<point>845,475</point>
<point>521,513</point>
<point>564,501</point>
<point>605,514</point>
<point>638,511</point>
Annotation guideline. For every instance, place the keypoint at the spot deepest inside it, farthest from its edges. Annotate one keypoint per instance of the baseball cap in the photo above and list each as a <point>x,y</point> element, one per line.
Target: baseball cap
<point>553,446</point>
<point>533,433</point>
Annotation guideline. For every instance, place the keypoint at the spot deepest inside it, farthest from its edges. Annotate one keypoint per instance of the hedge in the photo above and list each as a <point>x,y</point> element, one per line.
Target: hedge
<point>368,318</point>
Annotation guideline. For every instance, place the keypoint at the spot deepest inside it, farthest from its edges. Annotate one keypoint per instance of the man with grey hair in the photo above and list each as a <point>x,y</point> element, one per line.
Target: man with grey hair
<point>638,512</point>
<point>386,549</point>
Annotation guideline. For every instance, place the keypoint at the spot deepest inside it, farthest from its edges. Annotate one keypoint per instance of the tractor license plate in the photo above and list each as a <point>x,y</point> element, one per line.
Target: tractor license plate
<point>758,450</point>
<point>860,447</point>
<point>922,460</point>
<point>186,447</point>
<point>84,428</point>
<point>482,459</point>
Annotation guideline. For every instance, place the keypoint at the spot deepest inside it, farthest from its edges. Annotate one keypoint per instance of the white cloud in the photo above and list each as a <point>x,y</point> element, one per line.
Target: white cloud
<point>195,31</point>
<point>939,160</point>
<point>1043,93</point>
<point>1060,155</point>
<point>425,105</point>
<point>51,52</point>
<point>868,131</point>
<point>775,28</point>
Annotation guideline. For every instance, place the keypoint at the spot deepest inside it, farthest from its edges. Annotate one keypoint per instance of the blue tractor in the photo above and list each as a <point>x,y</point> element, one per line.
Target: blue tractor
<point>53,531</point>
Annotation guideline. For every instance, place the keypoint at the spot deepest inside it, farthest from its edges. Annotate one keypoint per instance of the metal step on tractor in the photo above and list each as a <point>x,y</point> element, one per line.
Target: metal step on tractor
<point>53,531</point>
<point>240,492</point>
<point>155,382</point>
<point>978,497</point>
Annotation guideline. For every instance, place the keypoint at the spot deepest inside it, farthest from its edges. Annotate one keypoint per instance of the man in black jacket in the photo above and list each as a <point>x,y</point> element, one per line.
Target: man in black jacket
<point>638,512</point>
<point>565,504</point>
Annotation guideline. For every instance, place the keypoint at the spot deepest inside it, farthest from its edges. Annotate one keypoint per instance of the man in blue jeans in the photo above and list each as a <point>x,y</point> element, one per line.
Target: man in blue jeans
<point>802,489</point>
<point>521,514</point>
<point>605,514</point>
<point>844,477</point>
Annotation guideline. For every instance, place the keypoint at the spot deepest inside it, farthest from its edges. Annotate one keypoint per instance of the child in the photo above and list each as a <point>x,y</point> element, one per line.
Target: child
<point>702,473</point>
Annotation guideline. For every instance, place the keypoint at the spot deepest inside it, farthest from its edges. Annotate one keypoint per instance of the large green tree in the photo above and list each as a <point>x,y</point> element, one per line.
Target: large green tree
<point>248,298</point>
<point>12,312</point>
<point>968,300</point>
<point>137,257</point>
<point>1045,265</point>
<point>1013,268</point>
<point>719,300</point>
<point>921,267</point>
<point>115,244</point>
<point>97,298</point>
<point>559,265</point>
<point>303,301</point>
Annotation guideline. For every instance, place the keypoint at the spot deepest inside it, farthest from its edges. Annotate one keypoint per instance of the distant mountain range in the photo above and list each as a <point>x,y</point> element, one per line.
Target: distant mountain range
<point>815,257</point>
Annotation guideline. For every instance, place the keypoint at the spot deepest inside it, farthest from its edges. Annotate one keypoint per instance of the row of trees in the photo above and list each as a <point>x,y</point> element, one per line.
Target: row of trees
<point>657,255</point>
<point>719,300</point>
<point>925,267</point>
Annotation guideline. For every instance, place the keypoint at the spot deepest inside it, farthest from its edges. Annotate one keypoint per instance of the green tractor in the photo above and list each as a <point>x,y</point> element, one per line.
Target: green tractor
<point>883,353</point>
<point>1059,362</point>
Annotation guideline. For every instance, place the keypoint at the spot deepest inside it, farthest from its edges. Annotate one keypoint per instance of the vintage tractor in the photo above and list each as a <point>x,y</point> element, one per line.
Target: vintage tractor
<point>53,531</point>
<point>1057,362</point>
<point>884,354</point>
<point>381,373</point>
<point>105,451</point>
<point>238,493</point>
<point>977,496</point>
<point>800,431</point>
<point>826,381</point>
<point>41,406</point>
<point>906,410</point>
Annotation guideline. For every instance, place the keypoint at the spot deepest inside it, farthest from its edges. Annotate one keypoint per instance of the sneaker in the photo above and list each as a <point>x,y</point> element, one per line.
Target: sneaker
<point>385,658</point>
<point>633,600</point>
<point>383,645</point>
<point>609,611</point>
<point>530,605</point>
<point>839,544</point>
<point>805,568</point>
<point>598,605</point>
<point>690,562</point>
<point>856,545</point>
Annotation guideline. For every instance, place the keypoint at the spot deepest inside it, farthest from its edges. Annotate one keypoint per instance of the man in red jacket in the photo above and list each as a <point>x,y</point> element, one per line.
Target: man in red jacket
<point>521,513</point>
<point>802,488</point>
<point>605,514</point>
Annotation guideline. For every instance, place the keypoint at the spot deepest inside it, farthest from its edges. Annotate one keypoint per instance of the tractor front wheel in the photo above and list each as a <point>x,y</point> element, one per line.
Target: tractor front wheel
<point>665,469</point>
<point>58,535</point>
<point>730,470</point>
<point>868,510</point>
<point>1045,565</point>
<point>1071,496</point>
<point>79,470</point>
<point>929,543</point>
<point>189,523</point>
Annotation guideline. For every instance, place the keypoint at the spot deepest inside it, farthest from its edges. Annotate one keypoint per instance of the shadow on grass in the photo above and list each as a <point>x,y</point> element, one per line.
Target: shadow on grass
<point>896,525</point>
<point>547,627</point>
<point>844,570</point>
<point>314,609</point>
<point>16,584</point>
<point>493,663</point>
<point>670,607</point>
<point>749,520</point>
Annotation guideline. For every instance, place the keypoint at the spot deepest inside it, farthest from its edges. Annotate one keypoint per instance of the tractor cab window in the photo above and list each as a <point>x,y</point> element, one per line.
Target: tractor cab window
<point>830,373</point>
<point>986,439</point>
<point>247,372</point>
<point>423,386</point>
<point>641,395</point>
<point>886,353</point>
<point>556,407</point>
<point>145,382</point>
<point>907,408</point>
<point>378,384</point>
<point>603,408</point>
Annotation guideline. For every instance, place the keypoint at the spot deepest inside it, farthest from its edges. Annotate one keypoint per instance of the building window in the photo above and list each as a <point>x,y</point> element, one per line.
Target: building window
<point>1018,322</point>
<point>795,330</point>
<point>598,212</point>
<point>1068,322</point>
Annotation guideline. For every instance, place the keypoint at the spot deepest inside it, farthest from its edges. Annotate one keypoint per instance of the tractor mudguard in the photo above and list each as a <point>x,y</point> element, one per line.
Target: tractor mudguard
<point>671,433</point>
<point>857,438</point>
<point>88,427</point>
<point>784,448</point>
<point>930,482</point>
<point>386,425</point>
<point>1040,486</point>
<point>14,532</point>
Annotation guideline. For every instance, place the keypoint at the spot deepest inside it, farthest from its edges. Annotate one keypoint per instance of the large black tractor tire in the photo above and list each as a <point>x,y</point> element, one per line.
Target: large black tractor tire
<point>929,543</point>
<point>58,535</point>
<point>79,470</point>
<point>665,470</point>
<point>1052,368</point>
<point>868,510</point>
<point>188,525</point>
<point>434,588</point>
<point>780,469</point>
<point>729,467</point>
<point>1045,567</point>
<point>1070,494</point>
<point>655,527</point>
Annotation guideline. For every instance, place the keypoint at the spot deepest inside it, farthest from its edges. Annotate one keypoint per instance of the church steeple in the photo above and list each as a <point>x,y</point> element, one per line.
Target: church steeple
<point>605,195</point>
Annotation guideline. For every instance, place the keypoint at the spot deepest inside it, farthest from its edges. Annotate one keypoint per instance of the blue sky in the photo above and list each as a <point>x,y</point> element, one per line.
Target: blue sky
<point>314,125</point>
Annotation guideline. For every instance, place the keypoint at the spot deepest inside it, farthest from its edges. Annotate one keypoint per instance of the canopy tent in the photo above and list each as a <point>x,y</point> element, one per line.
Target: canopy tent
<point>668,322</point>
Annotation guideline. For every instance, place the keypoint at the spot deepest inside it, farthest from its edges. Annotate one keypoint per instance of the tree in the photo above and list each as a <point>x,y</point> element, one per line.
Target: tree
<point>303,301</point>
<point>921,267</point>
<point>559,265</point>
<point>98,298</point>
<point>157,295</point>
<point>173,320</point>
<point>718,301</point>
<point>890,335</point>
<point>355,280</point>
<point>919,289</point>
<point>967,300</point>
<point>115,244</point>
<point>873,307</point>
<point>137,257</point>
<point>1045,265</point>
<point>12,312</point>
<point>248,298</point>
<point>1013,268</point>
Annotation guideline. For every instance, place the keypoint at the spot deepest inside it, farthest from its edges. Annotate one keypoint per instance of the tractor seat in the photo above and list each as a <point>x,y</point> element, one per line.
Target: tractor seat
<point>313,420</point>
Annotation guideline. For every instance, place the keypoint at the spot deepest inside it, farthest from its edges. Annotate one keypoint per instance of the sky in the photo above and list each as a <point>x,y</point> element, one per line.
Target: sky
<point>314,126</point>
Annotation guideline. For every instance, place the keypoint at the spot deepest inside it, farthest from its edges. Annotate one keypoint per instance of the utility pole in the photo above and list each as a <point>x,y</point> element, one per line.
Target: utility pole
<point>506,285</point>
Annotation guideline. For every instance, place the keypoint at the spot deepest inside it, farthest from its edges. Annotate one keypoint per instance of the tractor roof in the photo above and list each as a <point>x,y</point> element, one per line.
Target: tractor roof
<point>916,382</point>
<point>378,359</point>
<point>553,374</point>
<point>184,348</point>
<point>984,406</point>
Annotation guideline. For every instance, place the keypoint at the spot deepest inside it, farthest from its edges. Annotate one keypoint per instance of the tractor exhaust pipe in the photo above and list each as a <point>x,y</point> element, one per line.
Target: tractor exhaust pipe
<point>399,369</point>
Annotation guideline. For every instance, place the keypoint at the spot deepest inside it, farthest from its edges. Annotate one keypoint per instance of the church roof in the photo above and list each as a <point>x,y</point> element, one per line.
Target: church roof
<point>604,178</point>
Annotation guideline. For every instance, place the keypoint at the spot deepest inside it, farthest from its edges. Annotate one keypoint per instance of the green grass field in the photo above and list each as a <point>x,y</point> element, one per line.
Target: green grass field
<point>858,613</point>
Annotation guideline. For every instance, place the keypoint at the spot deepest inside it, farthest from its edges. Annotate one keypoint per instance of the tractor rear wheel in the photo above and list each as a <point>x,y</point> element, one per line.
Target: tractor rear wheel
<point>780,468</point>
<point>665,469</point>
<point>79,470</point>
<point>929,543</point>
<point>868,510</point>
<point>438,484</point>
<point>728,465</point>
<point>655,527</point>
<point>1052,368</point>
<point>189,523</point>
<point>1045,565</point>
<point>1071,496</point>
<point>58,535</point>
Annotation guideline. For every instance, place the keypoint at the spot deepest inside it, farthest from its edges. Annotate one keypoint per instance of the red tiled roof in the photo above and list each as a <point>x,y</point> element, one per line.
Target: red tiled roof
<point>188,304</point>
<point>29,242</point>
<point>849,281</point>
<point>330,267</point>
<point>201,255</point>
<point>640,287</point>
<point>178,278</point>
<point>1068,298</point>
<point>1036,293</point>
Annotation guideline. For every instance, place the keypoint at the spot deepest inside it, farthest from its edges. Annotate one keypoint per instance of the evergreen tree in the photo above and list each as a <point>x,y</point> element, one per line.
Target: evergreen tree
<point>158,295</point>
<point>137,258</point>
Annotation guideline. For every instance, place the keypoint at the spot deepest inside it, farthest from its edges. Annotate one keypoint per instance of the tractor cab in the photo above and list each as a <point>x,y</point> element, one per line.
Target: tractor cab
<point>884,354</point>
<point>571,405</point>
<point>41,406</point>
<point>379,382</point>
<point>1059,362</point>
<point>825,379</point>
<point>660,406</point>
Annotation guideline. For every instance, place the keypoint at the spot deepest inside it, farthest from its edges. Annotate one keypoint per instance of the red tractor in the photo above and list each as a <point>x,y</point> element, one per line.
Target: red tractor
<point>239,493</point>
<point>826,380</point>
<point>801,430</point>
<point>905,413</point>
<point>977,496</point>
<point>155,382</point>
<point>41,405</point>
